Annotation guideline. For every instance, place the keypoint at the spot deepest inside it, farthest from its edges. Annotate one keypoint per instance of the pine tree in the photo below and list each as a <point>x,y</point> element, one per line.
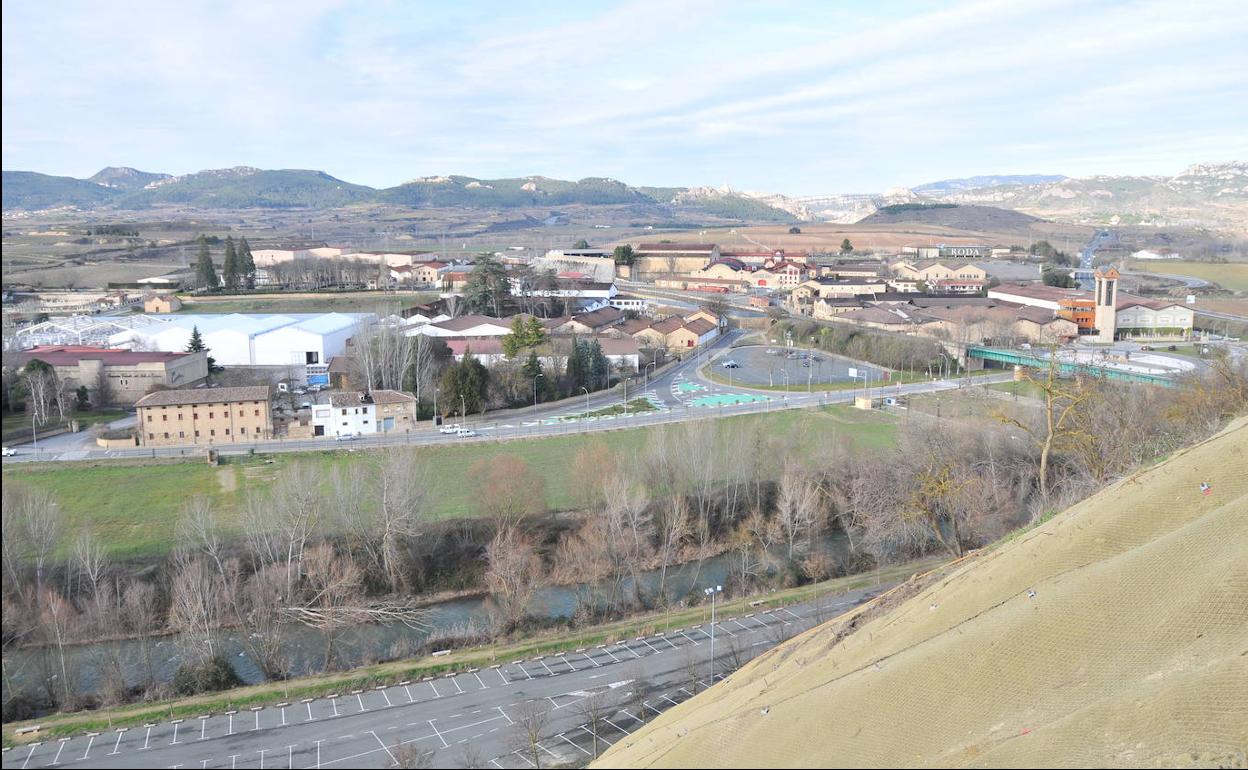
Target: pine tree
<point>197,341</point>
<point>205,273</point>
<point>233,277</point>
<point>246,264</point>
<point>516,339</point>
<point>846,246</point>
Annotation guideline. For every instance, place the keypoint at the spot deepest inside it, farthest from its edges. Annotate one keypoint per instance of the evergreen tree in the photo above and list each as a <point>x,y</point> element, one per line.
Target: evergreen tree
<point>465,385</point>
<point>534,332</point>
<point>577,372</point>
<point>246,264</point>
<point>581,244</point>
<point>487,286</point>
<point>205,273</point>
<point>514,341</point>
<point>624,255</point>
<point>196,344</point>
<point>231,271</point>
<point>846,247</point>
<point>599,366</point>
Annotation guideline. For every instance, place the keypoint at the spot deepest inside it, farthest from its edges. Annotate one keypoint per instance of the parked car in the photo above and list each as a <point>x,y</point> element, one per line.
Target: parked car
<point>465,433</point>
<point>1146,347</point>
<point>345,437</point>
<point>448,429</point>
<point>9,451</point>
<point>306,405</point>
<point>731,365</point>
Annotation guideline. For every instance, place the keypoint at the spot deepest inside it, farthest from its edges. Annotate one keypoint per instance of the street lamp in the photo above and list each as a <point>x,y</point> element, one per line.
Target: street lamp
<point>536,377</point>
<point>463,408</point>
<point>586,401</point>
<point>711,592</point>
<point>435,405</point>
<point>645,376</point>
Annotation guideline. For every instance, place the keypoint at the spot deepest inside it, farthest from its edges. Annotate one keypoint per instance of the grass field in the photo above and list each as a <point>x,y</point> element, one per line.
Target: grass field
<point>132,506</point>
<point>1024,389</point>
<point>1230,275</point>
<point>85,419</point>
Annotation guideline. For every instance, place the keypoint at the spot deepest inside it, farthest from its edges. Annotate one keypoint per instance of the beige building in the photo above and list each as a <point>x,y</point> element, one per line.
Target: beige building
<point>205,416</point>
<point>162,303</point>
<point>126,375</point>
<point>396,410</point>
<point>935,271</point>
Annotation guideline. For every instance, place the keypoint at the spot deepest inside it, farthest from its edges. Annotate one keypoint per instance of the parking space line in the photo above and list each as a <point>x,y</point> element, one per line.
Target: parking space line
<point>578,748</point>
<point>690,638</point>
<point>434,687</point>
<point>117,746</point>
<point>591,660</point>
<point>59,749</point>
<point>445,745</point>
<point>407,689</point>
<point>387,748</point>
<point>33,746</point>
<point>484,686</point>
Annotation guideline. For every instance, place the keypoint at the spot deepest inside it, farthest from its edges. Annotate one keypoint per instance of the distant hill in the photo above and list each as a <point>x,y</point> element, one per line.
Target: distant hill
<point>936,189</point>
<point>245,187</point>
<point>125,178</point>
<point>31,191</point>
<point>1111,635</point>
<point>951,215</point>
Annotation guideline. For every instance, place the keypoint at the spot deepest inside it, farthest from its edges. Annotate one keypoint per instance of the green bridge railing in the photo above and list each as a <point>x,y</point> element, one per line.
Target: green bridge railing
<point>1065,367</point>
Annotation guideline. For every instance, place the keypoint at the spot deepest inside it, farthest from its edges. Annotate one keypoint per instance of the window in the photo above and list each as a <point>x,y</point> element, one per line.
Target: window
<point>227,431</point>
<point>151,435</point>
<point>257,412</point>
<point>196,434</point>
<point>166,434</point>
<point>243,430</point>
<point>240,412</point>
<point>344,411</point>
<point>181,434</point>
<point>212,432</point>
<point>195,416</point>
<point>164,418</point>
<point>179,417</point>
<point>210,415</point>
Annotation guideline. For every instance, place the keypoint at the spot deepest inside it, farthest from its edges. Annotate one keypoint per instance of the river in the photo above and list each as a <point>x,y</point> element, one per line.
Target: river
<point>365,643</point>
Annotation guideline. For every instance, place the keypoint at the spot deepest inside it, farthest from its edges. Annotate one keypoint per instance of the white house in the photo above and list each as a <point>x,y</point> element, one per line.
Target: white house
<point>348,413</point>
<point>465,326</point>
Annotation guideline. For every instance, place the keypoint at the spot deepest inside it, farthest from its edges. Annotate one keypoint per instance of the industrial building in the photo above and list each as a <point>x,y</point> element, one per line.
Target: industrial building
<point>245,339</point>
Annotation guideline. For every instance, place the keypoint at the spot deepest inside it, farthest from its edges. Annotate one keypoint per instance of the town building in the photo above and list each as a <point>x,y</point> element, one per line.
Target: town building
<point>344,413</point>
<point>204,416</point>
<point>161,303</point>
<point>251,339</point>
<point>126,375</point>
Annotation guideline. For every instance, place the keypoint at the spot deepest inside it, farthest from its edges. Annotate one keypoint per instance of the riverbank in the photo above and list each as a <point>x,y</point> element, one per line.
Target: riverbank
<point>436,665</point>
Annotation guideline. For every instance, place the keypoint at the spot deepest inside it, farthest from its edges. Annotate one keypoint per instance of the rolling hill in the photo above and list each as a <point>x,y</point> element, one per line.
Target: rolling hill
<point>1114,634</point>
<point>973,218</point>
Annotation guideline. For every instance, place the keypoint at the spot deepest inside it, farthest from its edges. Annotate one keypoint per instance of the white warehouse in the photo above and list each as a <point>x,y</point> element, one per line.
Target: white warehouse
<point>247,339</point>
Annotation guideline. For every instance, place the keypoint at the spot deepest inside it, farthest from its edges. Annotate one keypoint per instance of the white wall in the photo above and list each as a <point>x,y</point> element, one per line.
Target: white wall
<point>359,419</point>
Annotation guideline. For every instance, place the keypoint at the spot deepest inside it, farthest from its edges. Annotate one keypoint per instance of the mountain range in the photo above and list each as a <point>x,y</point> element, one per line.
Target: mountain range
<point>1213,194</point>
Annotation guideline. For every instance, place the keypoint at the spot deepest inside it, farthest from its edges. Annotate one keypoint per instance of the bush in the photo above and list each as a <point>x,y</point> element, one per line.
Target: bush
<point>215,674</point>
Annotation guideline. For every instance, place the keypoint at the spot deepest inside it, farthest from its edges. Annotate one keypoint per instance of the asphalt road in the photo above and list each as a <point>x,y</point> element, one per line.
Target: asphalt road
<point>465,717</point>
<point>669,390</point>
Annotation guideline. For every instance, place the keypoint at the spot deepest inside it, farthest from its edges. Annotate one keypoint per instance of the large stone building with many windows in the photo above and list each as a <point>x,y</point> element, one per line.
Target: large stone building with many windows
<point>205,416</point>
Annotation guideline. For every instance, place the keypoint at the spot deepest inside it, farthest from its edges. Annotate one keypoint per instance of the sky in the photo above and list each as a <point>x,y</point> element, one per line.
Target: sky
<point>787,96</point>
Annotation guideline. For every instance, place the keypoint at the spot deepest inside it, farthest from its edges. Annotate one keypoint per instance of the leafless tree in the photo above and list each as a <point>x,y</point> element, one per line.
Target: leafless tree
<point>624,513</point>
<point>199,533</point>
<point>472,758</point>
<point>528,727</point>
<point>279,525</point>
<point>140,615</point>
<point>259,604</point>
<point>334,582</point>
<point>411,755</point>
<point>42,524</point>
<point>672,524</point>
<point>56,616</point>
<point>102,390</point>
<point>381,505</point>
<point>797,503</point>
<point>595,711</point>
<point>1062,400</point>
<point>513,574</point>
<point>195,609</point>
<point>89,562</point>
<point>509,492</point>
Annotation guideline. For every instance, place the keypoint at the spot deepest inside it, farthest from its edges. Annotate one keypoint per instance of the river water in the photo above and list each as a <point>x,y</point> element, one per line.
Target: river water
<point>367,643</point>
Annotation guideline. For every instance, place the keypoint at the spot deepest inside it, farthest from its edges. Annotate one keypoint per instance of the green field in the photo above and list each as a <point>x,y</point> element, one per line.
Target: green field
<point>19,420</point>
<point>1023,389</point>
<point>132,506</point>
<point>1230,275</point>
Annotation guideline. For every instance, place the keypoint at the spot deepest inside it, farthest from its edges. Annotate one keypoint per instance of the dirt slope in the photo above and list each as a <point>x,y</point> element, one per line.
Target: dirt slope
<point>1133,650</point>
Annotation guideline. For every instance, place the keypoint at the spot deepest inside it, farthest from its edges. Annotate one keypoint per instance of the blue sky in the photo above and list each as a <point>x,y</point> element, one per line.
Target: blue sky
<point>786,96</point>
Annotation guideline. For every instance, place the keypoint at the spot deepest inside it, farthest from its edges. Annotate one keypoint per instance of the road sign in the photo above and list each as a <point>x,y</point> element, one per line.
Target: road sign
<point>1191,299</point>
<point>853,372</point>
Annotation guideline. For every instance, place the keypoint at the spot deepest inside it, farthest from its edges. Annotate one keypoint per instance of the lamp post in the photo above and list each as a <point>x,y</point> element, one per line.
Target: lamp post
<point>435,405</point>
<point>463,408</point>
<point>645,376</point>
<point>586,401</point>
<point>536,377</point>
<point>711,592</point>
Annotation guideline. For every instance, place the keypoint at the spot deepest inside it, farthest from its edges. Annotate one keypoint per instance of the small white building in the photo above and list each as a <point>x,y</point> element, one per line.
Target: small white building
<point>346,413</point>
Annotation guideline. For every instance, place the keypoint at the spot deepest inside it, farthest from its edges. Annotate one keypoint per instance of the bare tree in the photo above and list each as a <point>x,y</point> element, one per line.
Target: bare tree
<point>513,575</point>
<point>335,582</point>
<point>509,492</point>
<point>1062,399</point>
<point>140,615</point>
<point>595,711</point>
<point>528,727</point>
<point>195,609</point>
<point>89,562</point>
<point>56,616</point>
<point>797,503</point>
<point>410,755</point>
<point>673,529</point>
<point>42,522</point>
<point>280,525</point>
<point>382,523</point>
<point>199,533</point>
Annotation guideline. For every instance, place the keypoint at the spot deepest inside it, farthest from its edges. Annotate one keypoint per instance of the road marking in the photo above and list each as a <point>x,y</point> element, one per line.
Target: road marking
<point>33,746</point>
<point>630,649</point>
<point>552,673</point>
<point>500,676</point>
<point>565,661</point>
<point>408,690</point>
<point>318,752</point>
<point>117,745</point>
<point>147,738</point>
<point>283,716</point>
<point>604,649</point>
<point>630,716</point>
<point>445,745</point>
<point>308,703</point>
<point>455,681</point>
<point>651,646</point>
<point>504,713</point>
<point>484,686</point>
<point>669,641</point>
<point>176,723</point>
<point>690,638</point>
<point>360,697</point>
<point>516,752</point>
<point>262,751</point>
<point>436,694</point>
<point>59,749</point>
<point>333,701</point>
<point>613,724</point>
<point>203,725</point>
<point>230,731</point>
<point>591,660</point>
<point>387,748</point>
<point>573,745</point>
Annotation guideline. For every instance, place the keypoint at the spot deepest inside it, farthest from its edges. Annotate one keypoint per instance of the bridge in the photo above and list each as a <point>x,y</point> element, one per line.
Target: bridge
<point>1026,358</point>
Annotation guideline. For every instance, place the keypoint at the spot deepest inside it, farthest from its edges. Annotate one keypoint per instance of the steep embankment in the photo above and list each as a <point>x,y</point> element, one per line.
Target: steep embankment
<point>1133,650</point>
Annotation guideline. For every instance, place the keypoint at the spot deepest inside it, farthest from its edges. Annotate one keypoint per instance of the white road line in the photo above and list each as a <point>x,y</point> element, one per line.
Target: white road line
<point>500,675</point>
<point>176,723</point>
<point>690,638</point>
<point>504,713</point>
<point>613,724</point>
<point>445,745</point>
<point>516,752</point>
<point>669,641</point>
<point>33,746</point>
<point>360,697</point>
<point>387,697</point>
<point>387,748</point>
<point>651,646</point>
<point>591,735</point>
<point>565,660</point>
<point>591,660</point>
<point>59,749</point>
<point>455,681</point>
<point>543,662</point>
<point>117,745</point>
<point>147,738</point>
<point>436,694</point>
<point>630,716</point>
<point>407,690</point>
<point>795,615</point>
<point>262,752</point>
<point>318,752</point>
<point>604,649</point>
<point>630,649</point>
<point>203,726</point>
<point>573,745</point>
<point>484,686</point>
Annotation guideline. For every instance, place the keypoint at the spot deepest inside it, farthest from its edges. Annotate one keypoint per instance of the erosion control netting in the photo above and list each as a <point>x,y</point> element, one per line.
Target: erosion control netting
<point>1114,634</point>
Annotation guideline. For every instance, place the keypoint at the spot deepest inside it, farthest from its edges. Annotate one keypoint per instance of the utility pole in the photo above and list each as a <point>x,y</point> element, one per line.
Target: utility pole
<point>711,592</point>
